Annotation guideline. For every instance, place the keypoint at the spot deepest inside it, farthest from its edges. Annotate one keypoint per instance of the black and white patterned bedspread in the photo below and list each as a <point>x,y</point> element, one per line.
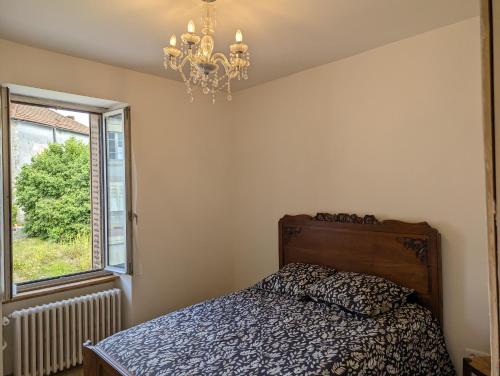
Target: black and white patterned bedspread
<point>254,332</point>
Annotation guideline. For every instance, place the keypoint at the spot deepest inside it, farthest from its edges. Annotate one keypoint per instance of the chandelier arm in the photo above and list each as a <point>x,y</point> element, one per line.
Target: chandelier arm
<point>172,65</point>
<point>183,76</point>
<point>231,72</point>
<point>220,57</point>
<point>180,68</point>
<point>184,61</point>
<point>172,62</point>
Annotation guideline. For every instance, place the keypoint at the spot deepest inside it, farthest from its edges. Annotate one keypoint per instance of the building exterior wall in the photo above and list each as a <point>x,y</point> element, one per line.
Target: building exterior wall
<point>29,139</point>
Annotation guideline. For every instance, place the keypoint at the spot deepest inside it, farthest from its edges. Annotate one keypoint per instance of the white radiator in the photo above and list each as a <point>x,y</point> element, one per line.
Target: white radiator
<point>49,338</point>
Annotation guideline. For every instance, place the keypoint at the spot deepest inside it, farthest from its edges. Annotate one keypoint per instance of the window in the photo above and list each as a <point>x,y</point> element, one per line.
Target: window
<point>66,192</point>
<point>115,168</point>
<point>115,145</point>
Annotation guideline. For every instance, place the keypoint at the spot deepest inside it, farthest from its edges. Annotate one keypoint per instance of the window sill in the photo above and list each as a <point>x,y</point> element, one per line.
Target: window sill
<point>63,287</point>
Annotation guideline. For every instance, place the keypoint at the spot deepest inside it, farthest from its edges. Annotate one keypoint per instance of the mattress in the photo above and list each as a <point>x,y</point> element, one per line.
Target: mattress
<point>257,332</point>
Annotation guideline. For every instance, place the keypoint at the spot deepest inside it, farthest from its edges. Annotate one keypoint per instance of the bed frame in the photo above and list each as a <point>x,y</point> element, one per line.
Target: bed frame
<point>406,253</point>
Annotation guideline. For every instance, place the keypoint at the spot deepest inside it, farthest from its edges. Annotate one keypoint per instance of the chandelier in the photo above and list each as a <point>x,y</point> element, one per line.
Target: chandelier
<point>196,63</point>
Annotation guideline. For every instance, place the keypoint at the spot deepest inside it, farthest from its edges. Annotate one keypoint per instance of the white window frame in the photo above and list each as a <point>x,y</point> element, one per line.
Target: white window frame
<point>125,112</point>
<point>9,288</point>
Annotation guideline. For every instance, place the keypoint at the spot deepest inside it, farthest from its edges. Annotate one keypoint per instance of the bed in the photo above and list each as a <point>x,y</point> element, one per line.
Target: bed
<point>259,332</point>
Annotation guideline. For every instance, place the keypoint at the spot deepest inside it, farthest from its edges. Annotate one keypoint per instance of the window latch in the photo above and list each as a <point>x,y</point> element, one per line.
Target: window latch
<point>133,217</point>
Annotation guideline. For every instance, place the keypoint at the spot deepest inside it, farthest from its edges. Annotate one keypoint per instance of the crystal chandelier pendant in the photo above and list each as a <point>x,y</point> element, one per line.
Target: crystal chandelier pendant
<point>198,65</point>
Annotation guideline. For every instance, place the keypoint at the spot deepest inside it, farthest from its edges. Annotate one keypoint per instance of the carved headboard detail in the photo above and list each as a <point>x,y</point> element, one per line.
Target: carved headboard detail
<point>406,253</point>
<point>346,218</point>
<point>419,246</point>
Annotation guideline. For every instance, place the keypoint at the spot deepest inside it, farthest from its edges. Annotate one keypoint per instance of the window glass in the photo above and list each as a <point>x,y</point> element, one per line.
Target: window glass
<point>116,214</point>
<point>50,185</point>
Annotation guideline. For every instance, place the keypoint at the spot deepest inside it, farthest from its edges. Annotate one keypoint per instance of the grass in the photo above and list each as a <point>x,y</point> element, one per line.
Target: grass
<point>35,258</point>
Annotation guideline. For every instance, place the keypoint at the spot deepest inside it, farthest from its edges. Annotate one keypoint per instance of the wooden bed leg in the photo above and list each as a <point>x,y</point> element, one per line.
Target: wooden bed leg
<point>97,363</point>
<point>89,360</point>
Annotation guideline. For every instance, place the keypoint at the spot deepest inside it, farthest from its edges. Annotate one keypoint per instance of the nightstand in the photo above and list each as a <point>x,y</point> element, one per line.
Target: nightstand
<point>477,365</point>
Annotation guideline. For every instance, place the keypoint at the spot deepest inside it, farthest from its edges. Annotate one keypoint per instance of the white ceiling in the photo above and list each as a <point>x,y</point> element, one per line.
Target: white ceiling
<point>285,36</point>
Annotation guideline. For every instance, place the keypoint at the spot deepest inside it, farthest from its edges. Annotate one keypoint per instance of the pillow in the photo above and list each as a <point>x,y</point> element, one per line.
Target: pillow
<point>293,279</point>
<point>363,294</point>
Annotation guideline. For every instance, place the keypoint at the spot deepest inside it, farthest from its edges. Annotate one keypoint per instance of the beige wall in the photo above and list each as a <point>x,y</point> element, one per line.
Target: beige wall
<point>395,132</point>
<point>180,167</point>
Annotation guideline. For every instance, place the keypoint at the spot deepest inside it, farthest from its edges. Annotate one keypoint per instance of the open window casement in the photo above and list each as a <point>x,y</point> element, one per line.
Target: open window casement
<point>117,196</point>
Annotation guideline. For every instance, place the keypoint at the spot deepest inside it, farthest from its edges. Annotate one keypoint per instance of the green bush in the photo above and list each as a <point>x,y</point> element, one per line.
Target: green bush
<point>54,192</point>
<point>14,214</point>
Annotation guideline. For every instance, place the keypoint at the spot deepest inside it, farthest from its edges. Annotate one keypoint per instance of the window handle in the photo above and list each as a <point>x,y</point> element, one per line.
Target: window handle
<point>133,217</point>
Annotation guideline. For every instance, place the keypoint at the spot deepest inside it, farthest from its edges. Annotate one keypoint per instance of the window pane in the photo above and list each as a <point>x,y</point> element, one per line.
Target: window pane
<point>116,217</point>
<point>50,183</point>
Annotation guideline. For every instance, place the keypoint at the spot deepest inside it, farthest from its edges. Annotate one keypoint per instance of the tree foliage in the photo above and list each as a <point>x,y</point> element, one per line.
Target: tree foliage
<point>54,192</point>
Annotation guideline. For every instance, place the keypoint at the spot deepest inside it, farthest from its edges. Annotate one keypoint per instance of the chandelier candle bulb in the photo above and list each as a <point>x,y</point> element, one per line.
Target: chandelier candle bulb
<point>173,40</point>
<point>172,51</point>
<point>239,36</point>
<point>198,64</point>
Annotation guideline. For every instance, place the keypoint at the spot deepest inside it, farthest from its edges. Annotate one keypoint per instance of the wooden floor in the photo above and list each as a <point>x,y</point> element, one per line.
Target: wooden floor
<point>73,372</point>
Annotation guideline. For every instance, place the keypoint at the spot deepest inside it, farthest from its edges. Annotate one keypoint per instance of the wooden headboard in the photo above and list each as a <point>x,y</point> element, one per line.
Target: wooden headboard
<point>406,253</point>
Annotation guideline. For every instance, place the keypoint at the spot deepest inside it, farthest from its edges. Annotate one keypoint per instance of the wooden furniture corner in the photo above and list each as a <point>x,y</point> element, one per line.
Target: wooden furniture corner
<point>477,365</point>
